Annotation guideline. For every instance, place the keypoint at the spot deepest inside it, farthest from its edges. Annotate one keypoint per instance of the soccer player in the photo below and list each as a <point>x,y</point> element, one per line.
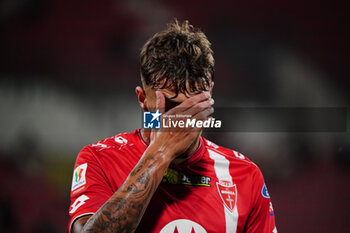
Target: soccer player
<point>170,181</point>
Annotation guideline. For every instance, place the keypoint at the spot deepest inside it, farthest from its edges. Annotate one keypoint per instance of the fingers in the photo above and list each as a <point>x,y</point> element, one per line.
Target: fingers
<point>199,107</point>
<point>190,102</point>
<point>196,107</point>
<point>204,114</point>
<point>160,101</point>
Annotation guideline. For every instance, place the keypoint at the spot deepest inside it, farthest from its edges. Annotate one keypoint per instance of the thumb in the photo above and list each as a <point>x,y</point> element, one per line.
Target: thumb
<point>160,101</point>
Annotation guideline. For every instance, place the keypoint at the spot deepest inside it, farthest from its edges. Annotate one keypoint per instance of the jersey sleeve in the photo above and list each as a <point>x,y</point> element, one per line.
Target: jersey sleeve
<point>262,216</point>
<point>90,187</point>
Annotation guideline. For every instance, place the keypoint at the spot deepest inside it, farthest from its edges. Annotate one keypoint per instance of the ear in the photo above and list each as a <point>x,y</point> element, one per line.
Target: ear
<point>141,97</point>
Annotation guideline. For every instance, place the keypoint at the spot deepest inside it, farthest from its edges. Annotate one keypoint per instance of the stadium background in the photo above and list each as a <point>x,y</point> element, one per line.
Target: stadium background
<point>68,72</point>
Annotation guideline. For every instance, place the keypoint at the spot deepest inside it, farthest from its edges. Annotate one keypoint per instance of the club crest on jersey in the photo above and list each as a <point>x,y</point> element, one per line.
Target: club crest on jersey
<point>228,194</point>
<point>79,176</point>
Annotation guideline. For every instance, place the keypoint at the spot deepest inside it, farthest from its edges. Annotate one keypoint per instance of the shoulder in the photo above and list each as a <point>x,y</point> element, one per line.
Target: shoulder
<point>227,153</point>
<point>117,141</point>
<point>233,156</point>
<point>237,162</point>
<point>115,144</point>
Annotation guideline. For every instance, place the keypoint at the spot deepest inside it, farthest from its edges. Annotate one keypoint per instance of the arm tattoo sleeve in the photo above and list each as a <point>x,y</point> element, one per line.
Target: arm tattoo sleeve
<point>124,210</point>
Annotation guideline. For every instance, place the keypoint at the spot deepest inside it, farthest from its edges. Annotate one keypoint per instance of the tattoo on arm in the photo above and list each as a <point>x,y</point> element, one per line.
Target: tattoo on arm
<point>124,210</point>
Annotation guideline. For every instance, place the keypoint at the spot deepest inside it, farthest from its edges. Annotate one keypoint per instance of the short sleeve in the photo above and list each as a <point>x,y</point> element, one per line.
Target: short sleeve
<point>262,216</point>
<point>90,187</point>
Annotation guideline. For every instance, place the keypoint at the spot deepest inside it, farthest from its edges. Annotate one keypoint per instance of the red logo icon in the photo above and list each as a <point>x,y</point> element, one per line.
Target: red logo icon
<point>176,230</point>
<point>228,194</point>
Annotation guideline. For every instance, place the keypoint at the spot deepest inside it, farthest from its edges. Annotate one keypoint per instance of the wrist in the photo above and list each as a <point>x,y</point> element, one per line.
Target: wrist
<point>159,153</point>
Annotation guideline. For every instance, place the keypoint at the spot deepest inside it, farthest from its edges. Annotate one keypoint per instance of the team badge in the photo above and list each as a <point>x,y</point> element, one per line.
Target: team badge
<point>79,176</point>
<point>228,194</point>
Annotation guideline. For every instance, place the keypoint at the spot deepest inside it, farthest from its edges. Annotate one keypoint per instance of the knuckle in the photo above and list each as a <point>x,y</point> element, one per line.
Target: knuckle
<point>191,101</point>
<point>201,115</point>
<point>199,106</point>
<point>204,104</point>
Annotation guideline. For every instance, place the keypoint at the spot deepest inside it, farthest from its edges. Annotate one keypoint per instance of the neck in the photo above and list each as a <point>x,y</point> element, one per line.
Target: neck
<point>146,135</point>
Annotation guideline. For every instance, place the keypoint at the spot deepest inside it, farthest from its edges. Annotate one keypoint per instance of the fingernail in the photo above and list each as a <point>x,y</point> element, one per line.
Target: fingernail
<point>207,94</point>
<point>212,101</point>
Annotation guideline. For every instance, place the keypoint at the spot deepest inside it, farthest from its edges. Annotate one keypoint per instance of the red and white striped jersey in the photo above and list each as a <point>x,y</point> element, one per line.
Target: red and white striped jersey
<point>216,190</point>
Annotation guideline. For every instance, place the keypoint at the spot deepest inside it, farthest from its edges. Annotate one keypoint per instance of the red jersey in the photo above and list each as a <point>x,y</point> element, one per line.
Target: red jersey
<point>216,190</point>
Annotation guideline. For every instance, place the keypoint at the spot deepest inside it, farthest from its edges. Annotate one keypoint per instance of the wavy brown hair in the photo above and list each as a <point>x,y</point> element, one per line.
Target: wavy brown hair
<point>178,58</point>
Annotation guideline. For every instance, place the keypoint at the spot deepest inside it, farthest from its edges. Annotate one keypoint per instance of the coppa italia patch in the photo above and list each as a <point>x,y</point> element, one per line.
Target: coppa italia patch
<point>173,176</point>
<point>79,176</point>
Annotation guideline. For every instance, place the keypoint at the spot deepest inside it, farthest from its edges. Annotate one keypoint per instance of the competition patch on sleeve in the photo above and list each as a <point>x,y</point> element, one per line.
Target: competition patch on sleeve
<point>264,192</point>
<point>79,176</point>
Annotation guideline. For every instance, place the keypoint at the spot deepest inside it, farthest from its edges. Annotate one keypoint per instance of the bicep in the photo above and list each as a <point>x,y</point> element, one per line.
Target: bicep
<point>79,224</point>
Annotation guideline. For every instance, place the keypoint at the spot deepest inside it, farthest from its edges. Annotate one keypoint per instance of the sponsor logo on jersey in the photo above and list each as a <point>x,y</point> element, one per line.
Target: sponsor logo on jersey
<point>78,202</point>
<point>151,120</point>
<point>79,176</point>
<point>264,192</point>
<point>183,226</point>
<point>173,176</point>
<point>228,194</point>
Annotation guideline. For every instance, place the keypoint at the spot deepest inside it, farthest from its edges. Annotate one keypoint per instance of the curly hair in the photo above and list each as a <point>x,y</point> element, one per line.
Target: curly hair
<point>179,58</point>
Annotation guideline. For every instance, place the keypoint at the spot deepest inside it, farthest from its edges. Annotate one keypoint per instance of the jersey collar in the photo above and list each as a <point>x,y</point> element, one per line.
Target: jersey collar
<point>193,157</point>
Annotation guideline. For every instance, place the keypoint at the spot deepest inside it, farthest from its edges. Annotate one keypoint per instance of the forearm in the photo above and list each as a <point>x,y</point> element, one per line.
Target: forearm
<point>124,210</point>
